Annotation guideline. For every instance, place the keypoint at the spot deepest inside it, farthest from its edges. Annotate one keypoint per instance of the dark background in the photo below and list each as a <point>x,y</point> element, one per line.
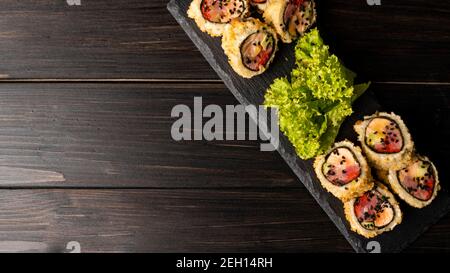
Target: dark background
<point>85,148</point>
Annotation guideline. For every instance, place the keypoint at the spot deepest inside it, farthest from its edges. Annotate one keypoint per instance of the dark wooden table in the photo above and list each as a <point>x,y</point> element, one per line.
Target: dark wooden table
<point>85,148</point>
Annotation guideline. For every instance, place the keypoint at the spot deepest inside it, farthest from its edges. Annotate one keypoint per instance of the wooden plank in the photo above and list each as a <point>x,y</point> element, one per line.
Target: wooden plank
<point>400,40</point>
<point>118,135</point>
<point>175,221</point>
<point>98,39</point>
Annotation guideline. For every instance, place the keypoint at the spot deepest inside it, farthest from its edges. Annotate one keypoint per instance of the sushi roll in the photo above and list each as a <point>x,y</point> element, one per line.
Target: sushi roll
<point>259,4</point>
<point>250,46</point>
<point>385,140</point>
<point>417,184</point>
<point>343,171</point>
<point>212,16</point>
<point>290,18</point>
<point>374,212</point>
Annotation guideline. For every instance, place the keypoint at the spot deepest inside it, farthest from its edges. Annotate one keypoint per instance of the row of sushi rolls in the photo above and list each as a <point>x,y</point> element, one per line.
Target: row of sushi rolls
<point>388,154</point>
<point>250,43</point>
<point>349,172</point>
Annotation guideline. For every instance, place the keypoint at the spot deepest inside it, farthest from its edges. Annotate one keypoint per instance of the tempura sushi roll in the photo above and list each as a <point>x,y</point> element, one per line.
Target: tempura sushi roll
<point>212,16</point>
<point>417,184</point>
<point>260,5</point>
<point>374,212</point>
<point>343,171</point>
<point>385,140</point>
<point>290,18</point>
<point>250,46</point>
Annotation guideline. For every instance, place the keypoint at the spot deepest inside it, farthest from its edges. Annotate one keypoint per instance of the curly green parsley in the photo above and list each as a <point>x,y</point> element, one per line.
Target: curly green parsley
<point>316,100</point>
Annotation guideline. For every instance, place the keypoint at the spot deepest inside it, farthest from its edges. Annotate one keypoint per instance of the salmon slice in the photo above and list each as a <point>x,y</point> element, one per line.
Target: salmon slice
<point>383,135</point>
<point>222,11</point>
<point>257,49</point>
<point>418,179</point>
<point>341,167</point>
<point>373,210</point>
<point>298,16</point>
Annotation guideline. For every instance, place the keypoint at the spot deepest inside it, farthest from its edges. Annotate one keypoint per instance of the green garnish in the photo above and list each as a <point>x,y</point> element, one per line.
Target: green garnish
<point>316,100</point>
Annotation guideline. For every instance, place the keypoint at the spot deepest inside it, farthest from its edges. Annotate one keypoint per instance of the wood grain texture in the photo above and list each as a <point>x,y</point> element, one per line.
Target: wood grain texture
<point>118,135</point>
<point>398,41</point>
<point>176,221</point>
<point>99,39</point>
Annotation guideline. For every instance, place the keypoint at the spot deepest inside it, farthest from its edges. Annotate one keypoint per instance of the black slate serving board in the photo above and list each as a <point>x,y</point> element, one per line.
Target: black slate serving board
<point>251,91</point>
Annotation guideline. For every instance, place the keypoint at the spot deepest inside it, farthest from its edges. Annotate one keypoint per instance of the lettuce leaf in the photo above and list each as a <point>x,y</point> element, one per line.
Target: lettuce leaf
<point>316,100</point>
